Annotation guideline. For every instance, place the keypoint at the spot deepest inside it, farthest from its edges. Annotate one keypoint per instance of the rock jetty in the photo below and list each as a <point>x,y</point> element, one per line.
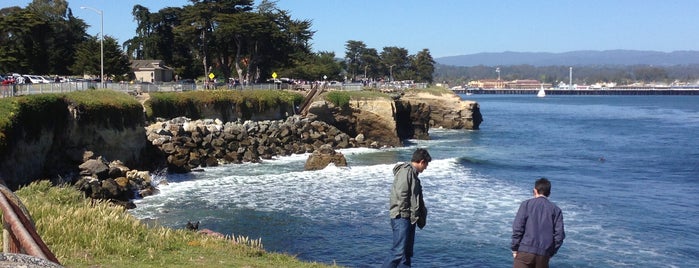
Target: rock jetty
<point>189,144</point>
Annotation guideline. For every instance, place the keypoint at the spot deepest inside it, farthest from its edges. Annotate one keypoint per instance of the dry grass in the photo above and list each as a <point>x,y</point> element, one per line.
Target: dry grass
<point>82,234</point>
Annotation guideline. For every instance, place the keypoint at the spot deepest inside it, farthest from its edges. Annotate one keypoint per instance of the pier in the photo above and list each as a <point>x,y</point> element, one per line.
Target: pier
<point>612,91</point>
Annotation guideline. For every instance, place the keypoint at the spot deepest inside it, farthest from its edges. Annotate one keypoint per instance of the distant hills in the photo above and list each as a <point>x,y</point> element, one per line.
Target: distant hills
<point>574,58</point>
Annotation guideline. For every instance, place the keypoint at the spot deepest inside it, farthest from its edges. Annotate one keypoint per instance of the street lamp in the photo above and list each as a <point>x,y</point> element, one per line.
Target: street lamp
<point>101,42</point>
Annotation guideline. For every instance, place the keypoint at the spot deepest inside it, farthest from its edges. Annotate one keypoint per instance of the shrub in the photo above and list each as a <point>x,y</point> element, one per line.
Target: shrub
<point>339,98</point>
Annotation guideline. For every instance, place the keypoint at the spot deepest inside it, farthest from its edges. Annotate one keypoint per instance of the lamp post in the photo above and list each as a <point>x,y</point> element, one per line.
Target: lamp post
<point>101,42</point>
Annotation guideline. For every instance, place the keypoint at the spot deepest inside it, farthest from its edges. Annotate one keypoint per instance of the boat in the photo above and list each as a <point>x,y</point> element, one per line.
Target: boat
<point>541,93</point>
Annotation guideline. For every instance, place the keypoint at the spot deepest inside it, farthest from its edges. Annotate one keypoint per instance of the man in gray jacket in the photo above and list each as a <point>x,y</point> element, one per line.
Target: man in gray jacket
<point>406,208</point>
<point>537,231</point>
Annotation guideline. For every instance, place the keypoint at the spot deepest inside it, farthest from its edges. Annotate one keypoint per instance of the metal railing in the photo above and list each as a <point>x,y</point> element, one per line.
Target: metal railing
<point>19,233</point>
<point>134,88</point>
<point>64,87</point>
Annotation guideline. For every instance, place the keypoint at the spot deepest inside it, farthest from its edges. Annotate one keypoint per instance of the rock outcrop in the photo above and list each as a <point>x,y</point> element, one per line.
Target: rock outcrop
<point>113,181</point>
<point>413,120</point>
<point>408,116</point>
<point>374,119</point>
<point>322,157</point>
<point>447,110</point>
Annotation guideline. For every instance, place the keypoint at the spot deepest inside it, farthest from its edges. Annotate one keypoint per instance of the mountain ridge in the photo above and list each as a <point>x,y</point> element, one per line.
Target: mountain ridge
<point>574,58</point>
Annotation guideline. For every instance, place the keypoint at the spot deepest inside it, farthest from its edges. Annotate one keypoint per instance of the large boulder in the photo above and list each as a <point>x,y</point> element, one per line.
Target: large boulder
<point>113,181</point>
<point>322,157</point>
<point>98,168</point>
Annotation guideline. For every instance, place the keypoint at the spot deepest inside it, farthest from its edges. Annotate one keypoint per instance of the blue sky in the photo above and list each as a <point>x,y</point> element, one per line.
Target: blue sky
<point>459,27</point>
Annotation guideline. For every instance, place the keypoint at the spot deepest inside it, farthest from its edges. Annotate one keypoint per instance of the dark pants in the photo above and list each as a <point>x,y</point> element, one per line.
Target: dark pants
<point>528,260</point>
<point>403,240</point>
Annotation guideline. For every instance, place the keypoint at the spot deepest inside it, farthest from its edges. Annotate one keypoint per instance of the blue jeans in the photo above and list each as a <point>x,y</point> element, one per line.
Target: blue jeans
<point>403,240</point>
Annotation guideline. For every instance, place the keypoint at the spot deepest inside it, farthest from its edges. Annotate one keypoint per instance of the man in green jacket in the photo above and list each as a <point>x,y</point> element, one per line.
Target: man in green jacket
<point>406,208</point>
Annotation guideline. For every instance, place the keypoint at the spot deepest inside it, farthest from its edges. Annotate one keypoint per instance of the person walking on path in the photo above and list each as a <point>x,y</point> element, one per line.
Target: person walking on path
<point>537,231</point>
<point>406,208</point>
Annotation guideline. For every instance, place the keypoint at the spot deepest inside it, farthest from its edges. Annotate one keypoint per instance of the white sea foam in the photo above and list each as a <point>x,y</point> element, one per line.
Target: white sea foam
<point>609,212</point>
<point>460,203</point>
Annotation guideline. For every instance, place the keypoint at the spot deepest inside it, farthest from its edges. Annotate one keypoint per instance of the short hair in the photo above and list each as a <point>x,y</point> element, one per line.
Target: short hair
<point>543,186</point>
<point>421,154</point>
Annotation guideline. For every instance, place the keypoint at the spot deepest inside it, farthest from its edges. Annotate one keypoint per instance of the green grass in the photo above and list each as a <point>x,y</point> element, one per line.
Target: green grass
<point>342,98</point>
<point>101,235</point>
<point>107,107</point>
<point>8,111</point>
<point>33,112</point>
<point>172,104</point>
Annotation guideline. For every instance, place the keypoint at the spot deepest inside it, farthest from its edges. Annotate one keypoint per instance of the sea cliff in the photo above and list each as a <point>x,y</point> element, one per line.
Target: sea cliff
<point>95,139</point>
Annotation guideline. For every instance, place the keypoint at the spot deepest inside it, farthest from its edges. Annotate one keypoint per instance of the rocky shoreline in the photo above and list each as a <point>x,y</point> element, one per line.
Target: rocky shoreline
<point>188,144</point>
<point>182,145</point>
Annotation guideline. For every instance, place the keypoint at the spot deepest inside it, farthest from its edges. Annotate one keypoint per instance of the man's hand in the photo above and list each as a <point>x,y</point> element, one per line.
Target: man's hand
<point>514,254</point>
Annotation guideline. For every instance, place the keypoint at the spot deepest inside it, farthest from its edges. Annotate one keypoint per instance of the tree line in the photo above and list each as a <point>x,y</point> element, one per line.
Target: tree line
<point>584,75</point>
<point>229,38</point>
<point>45,38</point>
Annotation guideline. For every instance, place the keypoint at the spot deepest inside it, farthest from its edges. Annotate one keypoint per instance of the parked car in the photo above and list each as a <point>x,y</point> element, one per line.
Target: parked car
<point>33,79</point>
<point>45,79</point>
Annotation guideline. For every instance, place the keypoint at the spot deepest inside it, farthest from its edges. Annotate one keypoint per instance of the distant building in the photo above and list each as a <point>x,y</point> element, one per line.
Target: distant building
<point>526,84</point>
<point>153,71</point>
<point>487,83</point>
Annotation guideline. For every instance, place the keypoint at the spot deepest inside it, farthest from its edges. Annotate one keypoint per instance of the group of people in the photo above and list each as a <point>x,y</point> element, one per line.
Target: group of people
<point>537,230</point>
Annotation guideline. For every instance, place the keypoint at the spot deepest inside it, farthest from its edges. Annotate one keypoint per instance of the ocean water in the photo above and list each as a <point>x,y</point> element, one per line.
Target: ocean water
<point>624,169</point>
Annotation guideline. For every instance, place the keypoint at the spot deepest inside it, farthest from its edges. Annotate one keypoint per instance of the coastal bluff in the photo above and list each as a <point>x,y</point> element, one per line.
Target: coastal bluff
<point>399,117</point>
<point>56,139</point>
<point>447,110</point>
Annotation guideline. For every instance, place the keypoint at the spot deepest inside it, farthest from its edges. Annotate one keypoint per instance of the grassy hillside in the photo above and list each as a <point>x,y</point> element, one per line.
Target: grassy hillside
<point>81,234</point>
